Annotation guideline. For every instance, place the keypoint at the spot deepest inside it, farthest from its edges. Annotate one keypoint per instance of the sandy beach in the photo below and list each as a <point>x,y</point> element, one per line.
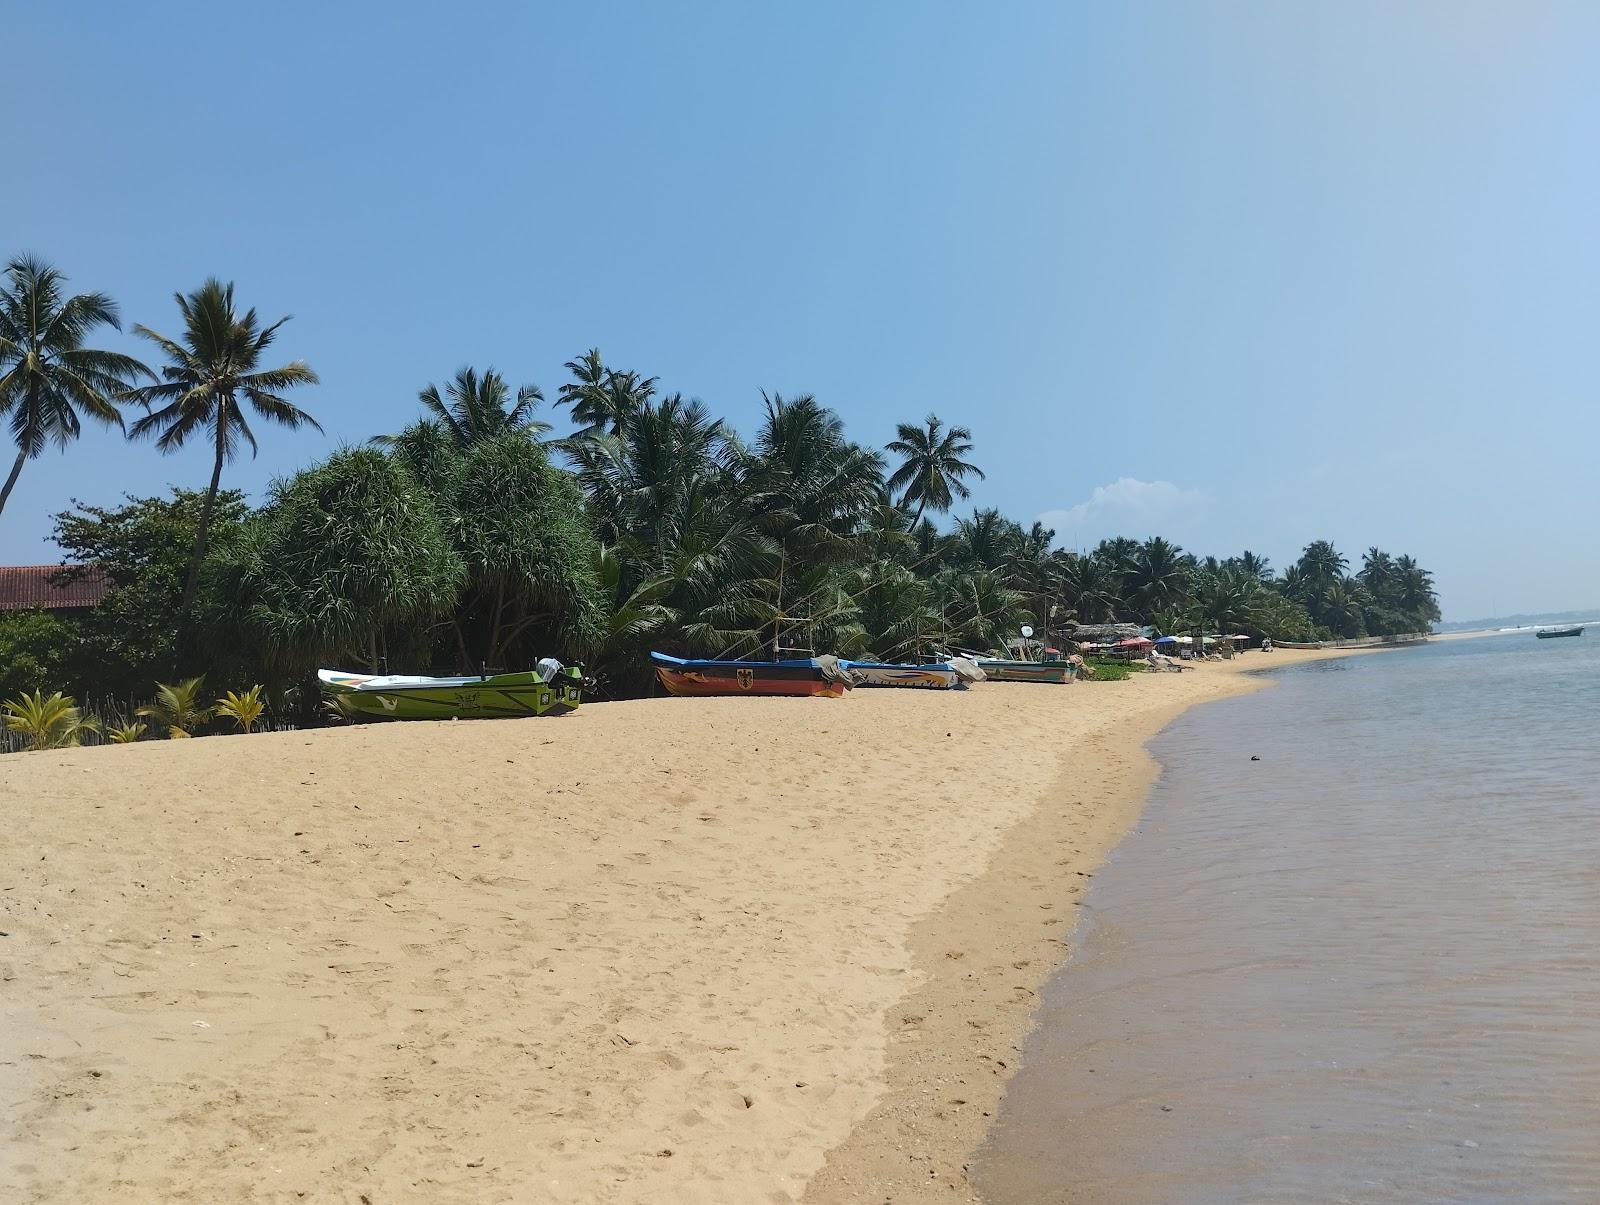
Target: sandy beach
<point>722,950</point>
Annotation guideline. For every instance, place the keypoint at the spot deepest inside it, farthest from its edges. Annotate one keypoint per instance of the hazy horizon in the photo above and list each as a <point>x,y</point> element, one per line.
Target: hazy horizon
<point>1274,274</point>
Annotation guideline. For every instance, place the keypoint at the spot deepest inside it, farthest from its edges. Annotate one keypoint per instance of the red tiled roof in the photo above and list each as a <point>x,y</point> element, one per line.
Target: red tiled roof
<point>50,588</point>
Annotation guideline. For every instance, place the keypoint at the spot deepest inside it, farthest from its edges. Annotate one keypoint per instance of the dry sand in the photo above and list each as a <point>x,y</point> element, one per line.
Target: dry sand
<point>735,950</point>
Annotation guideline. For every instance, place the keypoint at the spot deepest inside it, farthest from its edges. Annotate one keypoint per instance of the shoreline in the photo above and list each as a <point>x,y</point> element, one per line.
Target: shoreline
<point>917,1143</point>
<point>759,957</point>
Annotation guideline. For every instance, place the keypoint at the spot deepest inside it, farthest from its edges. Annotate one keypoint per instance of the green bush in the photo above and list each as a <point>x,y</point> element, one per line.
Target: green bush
<point>35,648</point>
<point>1111,669</point>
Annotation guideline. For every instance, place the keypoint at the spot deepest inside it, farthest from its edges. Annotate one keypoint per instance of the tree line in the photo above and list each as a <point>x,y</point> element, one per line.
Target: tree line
<point>472,537</point>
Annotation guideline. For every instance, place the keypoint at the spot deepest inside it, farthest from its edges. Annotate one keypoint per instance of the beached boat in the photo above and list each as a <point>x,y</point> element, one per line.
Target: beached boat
<point>553,689</point>
<point>822,677</point>
<point>934,675</point>
<point>1552,633</point>
<point>1001,669</point>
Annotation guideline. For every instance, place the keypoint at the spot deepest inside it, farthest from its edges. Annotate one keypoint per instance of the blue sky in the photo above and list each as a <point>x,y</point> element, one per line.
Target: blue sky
<point>1243,274</point>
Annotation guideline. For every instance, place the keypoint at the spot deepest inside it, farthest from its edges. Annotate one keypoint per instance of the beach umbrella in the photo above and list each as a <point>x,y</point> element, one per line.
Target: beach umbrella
<point>1166,640</point>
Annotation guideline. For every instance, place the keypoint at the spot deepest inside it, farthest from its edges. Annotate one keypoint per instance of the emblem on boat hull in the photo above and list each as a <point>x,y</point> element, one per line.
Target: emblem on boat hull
<point>746,677</point>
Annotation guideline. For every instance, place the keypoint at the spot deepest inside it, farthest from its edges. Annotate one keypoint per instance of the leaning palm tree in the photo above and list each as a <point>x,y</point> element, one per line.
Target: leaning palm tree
<point>932,467</point>
<point>475,408</point>
<point>209,375</point>
<point>47,376</point>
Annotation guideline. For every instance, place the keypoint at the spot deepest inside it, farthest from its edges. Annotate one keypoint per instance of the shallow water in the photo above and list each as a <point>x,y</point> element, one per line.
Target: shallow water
<point>1363,968</point>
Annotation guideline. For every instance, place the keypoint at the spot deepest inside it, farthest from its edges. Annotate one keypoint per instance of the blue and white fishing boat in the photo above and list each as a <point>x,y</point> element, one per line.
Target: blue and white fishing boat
<point>933,675</point>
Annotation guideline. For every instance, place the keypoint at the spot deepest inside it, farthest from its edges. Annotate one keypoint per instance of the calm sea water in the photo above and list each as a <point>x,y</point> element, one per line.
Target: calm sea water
<point>1363,968</point>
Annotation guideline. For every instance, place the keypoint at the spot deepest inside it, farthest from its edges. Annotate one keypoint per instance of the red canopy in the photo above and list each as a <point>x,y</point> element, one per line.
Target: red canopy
<point>1132,642</point>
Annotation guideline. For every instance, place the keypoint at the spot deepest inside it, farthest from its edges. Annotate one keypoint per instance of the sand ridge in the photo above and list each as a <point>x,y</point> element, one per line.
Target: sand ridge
<point>667,950</point>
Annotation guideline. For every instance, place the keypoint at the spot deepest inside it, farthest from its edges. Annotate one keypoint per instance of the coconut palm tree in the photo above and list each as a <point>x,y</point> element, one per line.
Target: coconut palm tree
<point>887,533</point>
<point>1256,565</point>
<point>812,487</point>
<point>1415,589</point>
<point>1157,578</point>
<point>1088,587</point>
<point>896,608</point>
<point>932,468</point>
<point>988,541</point>
<point>982,611</point>
<point>1341,605</point>
<point>1377,570</point>
<point>1322,563</point>
<point>48,378</point>
<point>177,707</point>
<point>48,723</point>
<point>208,377</point>
<point>476,408</point>
<point>1226,599</point>
<point>1296,585</point>
<point>633,478</point>
<point>601,398</point>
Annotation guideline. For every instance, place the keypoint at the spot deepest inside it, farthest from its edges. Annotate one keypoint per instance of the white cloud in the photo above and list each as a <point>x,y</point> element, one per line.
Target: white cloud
<point>1127,506</point>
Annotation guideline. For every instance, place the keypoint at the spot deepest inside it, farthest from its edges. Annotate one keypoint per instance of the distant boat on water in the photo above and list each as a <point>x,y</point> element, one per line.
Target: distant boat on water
<point>1552,633</point>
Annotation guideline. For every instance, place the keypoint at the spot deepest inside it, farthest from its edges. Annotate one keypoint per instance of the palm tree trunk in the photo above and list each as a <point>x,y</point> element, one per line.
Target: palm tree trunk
<point>192,578</point>
<point>493,656</point>
<point>11,481</point>
<point>922,505</point>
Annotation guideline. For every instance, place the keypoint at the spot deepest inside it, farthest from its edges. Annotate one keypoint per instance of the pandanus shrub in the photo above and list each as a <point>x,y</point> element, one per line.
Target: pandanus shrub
<point>48,723</point>
<point>177,708</point>
<point>243,709</point>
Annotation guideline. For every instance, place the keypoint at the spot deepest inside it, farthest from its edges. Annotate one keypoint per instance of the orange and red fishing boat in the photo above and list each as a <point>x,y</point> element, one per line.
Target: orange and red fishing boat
<point>817,677</point>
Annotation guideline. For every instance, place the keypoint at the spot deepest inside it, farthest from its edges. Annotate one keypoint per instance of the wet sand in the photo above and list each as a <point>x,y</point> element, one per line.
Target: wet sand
<point>672,950</point>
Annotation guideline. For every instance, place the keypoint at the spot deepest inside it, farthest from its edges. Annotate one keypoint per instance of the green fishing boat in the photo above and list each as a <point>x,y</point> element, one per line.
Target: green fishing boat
<point>552,689</point>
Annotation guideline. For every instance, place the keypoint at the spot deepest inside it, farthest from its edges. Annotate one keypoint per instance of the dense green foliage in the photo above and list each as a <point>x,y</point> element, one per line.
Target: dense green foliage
<point>465,540</point>
<point>454,545</point>
<point>143,546</point>
<point>35,651</point>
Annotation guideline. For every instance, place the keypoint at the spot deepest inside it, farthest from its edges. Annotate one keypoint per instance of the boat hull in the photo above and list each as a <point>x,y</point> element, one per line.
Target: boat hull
<point>934,676</point>
<point>697,679</point>
<point>1026,671</point>
<point>1557,633</point>
<point>503,696</point>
